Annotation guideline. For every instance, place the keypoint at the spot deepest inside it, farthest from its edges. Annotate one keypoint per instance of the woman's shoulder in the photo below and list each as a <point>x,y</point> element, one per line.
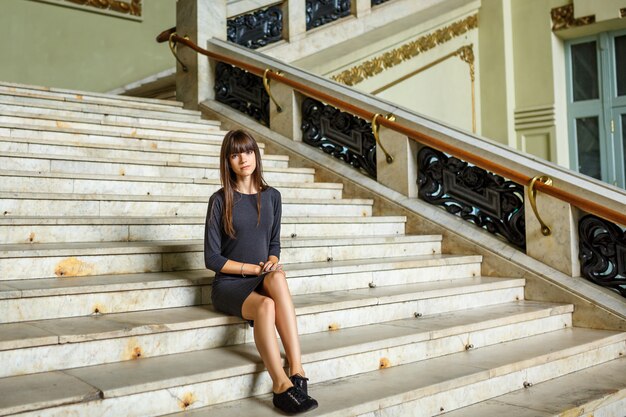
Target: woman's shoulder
<point>272,192</point>
<point>217,197</point>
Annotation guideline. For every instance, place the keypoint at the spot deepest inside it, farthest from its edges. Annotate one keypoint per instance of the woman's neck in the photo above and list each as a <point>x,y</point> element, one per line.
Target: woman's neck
<point>245,185</point>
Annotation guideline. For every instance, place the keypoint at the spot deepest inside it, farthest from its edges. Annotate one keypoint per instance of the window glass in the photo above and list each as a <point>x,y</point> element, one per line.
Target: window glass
<point>587,135</point>
<point>620,64</point>
<point>624,144</point>
<point>585,71</point>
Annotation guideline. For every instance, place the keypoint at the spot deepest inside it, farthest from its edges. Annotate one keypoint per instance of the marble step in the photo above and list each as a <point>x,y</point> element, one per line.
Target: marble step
<point>426,388</point>
<point>59,204</point>
<point>598,391</point>
<point>28,111</point>
<point>44,125</point>
<point>75,96</point>
<point>53,182</point>
<point>43,163</point>
<point>52,345</point>
<point>347,385</point>
<point>43,146</point>
<point>31,261</point>
<point>49,345</point>
<point>158,116</point>
<point>18,230</point>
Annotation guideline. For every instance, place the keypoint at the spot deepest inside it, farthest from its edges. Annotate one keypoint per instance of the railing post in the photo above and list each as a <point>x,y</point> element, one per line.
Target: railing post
<point>401,174</point>
<point>361,8</point>
<point>201,20</point>
<point>287,121</point>
<point>295,17</point>
<point>559,249</point>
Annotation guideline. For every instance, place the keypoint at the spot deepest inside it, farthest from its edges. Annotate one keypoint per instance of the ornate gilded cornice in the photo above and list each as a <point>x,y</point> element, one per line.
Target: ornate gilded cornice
<point>563,18</point>
<point>126,7</point>
<point>405,52</point>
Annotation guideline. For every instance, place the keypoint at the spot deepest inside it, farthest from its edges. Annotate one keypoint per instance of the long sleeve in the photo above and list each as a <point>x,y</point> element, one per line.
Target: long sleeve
<point>213,258</point>
<point>275,236</point>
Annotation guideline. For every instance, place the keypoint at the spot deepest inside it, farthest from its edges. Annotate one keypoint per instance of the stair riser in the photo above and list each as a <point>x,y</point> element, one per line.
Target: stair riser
<point>211,143</point>
<point>121,233</point>
<point>151,116</point>
<point>59,98</point>
<point>130,169</point>
<point>129,263</point>
<point>26,207</point>
<point>142,188</point>
<point>73,355</point>
<point>161,401</point>
<point>116,154</point>
<point>38,112</point>
<point>451,399</point>
<point>97,129</point>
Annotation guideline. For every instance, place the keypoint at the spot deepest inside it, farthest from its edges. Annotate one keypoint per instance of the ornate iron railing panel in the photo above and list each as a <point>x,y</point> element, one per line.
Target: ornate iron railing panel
<point>320,12</point>
<point>242,91</point>
<point>602,252</point>
<point>339,134</point>
<point>483,198</point>
<point>377,2</point>
<point>256,29</point>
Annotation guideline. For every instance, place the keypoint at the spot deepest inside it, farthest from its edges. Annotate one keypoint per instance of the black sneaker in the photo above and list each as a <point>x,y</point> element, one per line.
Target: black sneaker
<point>294,401</point>
<point>301,382</point>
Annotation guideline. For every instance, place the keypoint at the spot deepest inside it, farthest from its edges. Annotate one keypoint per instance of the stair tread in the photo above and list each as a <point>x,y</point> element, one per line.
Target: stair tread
<point>93,220</point>
<point>125,282</point>
<point>99,327</point>
<point>575,394</point>
<point>375,390</point>
<point>392,385</point>
<point>63,249</point>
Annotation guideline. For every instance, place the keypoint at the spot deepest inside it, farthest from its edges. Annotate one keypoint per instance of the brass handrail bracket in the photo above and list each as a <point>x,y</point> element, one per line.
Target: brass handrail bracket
<point>172,44</point>
<point>375,127</point>
<point>532,195</point>
<point>266,85</point>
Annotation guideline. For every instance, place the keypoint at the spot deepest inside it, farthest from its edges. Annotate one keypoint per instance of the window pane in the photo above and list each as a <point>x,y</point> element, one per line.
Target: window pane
<point>588,139</point>
<point>624,143</point>
<point>585,71</point>
<point>620,64</point>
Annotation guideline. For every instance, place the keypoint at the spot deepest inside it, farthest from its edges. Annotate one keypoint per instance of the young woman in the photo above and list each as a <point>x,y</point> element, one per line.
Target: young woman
<point>242,246</point>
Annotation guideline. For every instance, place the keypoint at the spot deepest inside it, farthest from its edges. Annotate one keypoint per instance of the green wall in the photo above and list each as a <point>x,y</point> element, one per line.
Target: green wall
<point>55,46</point>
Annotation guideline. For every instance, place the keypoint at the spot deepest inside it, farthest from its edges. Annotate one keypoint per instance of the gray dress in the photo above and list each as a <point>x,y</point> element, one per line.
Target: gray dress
<point>253,243</point>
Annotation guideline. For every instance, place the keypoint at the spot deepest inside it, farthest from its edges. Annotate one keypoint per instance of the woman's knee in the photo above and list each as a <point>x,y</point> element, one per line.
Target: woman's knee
<point>275,278</point>
<point>266,307</point>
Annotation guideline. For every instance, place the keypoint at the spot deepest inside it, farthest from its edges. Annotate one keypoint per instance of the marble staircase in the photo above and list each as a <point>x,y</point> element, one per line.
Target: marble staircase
<point>105,302</point>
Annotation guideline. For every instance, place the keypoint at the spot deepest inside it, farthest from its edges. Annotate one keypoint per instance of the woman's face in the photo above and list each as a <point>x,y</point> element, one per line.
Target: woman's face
<point>243,164</point>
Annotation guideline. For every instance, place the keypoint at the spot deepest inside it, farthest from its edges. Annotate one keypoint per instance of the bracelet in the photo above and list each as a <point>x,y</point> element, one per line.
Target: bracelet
<point>242,264</point>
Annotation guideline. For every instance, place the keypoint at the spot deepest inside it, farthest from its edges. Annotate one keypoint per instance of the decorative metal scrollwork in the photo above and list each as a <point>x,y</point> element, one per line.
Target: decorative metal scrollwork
<point>320,12</point>
<point>377,2</point>
<point>483,198</point>
<point>339,134</point>
<point>602,252</point>
<point>242,91</point>
<point>257,29</point>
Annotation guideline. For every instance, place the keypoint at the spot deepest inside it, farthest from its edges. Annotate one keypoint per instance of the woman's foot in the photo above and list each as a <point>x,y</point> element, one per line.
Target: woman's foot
<point>300,382</point>
<point>294,401</point>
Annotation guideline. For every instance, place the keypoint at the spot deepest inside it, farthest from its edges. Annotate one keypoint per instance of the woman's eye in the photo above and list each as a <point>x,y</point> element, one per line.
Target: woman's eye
<point>233,156</point>
<point>249,152</point>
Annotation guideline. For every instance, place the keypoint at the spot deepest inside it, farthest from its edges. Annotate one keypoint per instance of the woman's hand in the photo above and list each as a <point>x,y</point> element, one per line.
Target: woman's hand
<point>270,265</point>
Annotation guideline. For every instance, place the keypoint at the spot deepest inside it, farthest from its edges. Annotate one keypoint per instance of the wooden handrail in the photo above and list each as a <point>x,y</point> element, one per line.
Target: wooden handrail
<point>580,202</point>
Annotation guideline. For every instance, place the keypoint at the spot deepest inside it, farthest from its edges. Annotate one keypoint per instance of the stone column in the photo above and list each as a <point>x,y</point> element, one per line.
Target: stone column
<point>361,8</point>
<point>287,122</point>
<point>295,20</point>
<point>560,249</point>
<point>200,20</point>
<point>401,174</point>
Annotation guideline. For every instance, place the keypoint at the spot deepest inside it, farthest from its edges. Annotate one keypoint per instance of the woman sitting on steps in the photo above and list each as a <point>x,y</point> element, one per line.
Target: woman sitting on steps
<point>242,246</point>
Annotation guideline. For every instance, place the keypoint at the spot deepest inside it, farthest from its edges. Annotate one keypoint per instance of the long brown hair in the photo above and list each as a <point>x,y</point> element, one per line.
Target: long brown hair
<point>235,142</point>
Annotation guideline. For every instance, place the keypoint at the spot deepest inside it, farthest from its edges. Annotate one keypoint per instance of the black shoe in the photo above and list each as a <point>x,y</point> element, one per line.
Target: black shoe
<point>301,382</point>
<point>294,401</point>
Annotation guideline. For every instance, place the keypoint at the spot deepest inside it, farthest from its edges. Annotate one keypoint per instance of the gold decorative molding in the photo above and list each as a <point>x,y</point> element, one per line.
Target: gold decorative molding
<point>563,18</point>
<point>405,52</point>
<point>622,12</point>
<point>126,8</point>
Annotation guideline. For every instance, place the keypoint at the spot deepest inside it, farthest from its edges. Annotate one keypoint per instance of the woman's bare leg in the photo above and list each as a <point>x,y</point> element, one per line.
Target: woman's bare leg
<point>275,286</point>
<point>261,309</point>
